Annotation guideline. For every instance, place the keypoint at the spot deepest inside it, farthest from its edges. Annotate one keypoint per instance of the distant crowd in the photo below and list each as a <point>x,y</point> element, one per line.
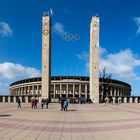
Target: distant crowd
<point>64,102</point>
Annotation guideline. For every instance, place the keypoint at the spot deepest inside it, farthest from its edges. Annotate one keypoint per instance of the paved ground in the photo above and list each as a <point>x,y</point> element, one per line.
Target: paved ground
<point>80,122</point>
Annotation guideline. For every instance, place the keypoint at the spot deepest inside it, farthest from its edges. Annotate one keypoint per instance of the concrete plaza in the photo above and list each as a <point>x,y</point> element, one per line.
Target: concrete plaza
<point>80,122</point>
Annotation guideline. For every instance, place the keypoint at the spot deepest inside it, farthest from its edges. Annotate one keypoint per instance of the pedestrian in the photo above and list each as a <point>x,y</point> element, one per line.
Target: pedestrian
<point>47,102</point>
<point>62,103</point>
<point>36,101</point>
<point>65,105</point>
<point>33,102</point>
<point>19,103</point>
<point>42,103</point>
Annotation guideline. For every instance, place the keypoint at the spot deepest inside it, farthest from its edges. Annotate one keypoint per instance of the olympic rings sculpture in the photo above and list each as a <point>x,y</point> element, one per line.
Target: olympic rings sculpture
<point>70,37</point>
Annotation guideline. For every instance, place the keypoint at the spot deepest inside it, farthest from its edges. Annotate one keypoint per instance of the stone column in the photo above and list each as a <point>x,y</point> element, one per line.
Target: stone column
<point>110,91</point>
<point>54,91</point>
<point>26,99</point>
<point>9,97</point>
<point>67,91</point>
<point>3,99</point>
<point>136,99</point>
<point>46,56</point>
<point>73,90</point>
<point>37,89</point>
<point>39,98</point>
<point>32,89</point>
<point>94,59</point>
<point>125,99</point>
<point>14,99</point>
<point>114,91</point>
<point>130,100</point>
<point>86,91</point>
<point>60,90</point>
<point>79,90</point>
<point>114,99</point>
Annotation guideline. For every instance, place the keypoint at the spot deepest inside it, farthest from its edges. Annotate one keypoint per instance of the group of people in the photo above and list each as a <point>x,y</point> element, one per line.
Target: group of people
<point>34,102</point>
<point>64,104</point>
<point>44,102</point>
<point>110,100</point>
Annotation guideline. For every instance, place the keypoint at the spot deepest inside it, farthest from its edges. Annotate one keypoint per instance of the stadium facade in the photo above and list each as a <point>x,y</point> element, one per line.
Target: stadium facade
<point>70,87</point>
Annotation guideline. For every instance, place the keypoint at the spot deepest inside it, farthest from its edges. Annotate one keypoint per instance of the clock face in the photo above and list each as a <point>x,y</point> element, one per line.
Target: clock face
<point>45,32</point>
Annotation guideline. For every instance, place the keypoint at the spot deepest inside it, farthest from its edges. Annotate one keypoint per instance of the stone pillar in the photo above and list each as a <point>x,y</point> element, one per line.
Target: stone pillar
<point>3,99</point>
<point>79,90</point>
<point>114,91</point>
<point>110,91</point>
<point>136,99</point>
<point>67,91</point>
<point>94,59</point>
<point>46,56</point>
<point>60,90</point>
<point>14,99</point>
<point>9,97</point>
<point>29,90</point>
<point>54,91</point>
<point>86,91</point>
<point>130,100</point>
<point>39,99</point>
<point>73,89</point>
<point>37,89</point>
<point>125,99</point>
<point>26,99</point>
<point>114,99</point>
<point>33,90</point>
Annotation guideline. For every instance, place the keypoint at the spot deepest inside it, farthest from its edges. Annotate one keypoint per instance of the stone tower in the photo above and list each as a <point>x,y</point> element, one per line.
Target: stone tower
<point>46,56</point>
<point>94,59</point>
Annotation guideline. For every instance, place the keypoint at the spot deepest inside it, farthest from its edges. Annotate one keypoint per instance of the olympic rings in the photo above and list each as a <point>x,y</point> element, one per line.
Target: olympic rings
<point>70,37</point>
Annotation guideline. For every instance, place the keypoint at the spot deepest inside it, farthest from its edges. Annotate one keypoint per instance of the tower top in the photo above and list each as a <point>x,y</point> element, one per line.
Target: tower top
<point>96,16</point>
<point>45,14</point>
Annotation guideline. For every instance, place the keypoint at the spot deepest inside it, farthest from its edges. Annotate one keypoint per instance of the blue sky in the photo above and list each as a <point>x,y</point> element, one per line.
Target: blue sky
<point>20,38</point>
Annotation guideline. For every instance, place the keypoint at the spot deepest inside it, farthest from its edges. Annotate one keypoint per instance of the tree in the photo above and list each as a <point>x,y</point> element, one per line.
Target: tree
<point>105,77</point>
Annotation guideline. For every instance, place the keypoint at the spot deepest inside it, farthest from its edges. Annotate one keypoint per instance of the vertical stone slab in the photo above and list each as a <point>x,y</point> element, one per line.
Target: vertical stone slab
<point>46,56</point>
<point>94,59</point>
<point>26,99</point>
<point>136,99</point>
<point>9,99</point>
<point>3,99</point>
<point>130,100</point>
<point>14,99</point>
<point>39,99</point>
<point>125,99</point>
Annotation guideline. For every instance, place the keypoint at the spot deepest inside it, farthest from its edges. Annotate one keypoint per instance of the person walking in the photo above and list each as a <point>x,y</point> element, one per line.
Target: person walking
<point>19,103</point>
<point>47,102</point>
<point>42,103</point>
<point>65,105</point>
<point>33,102</point>
<point>62,103</point>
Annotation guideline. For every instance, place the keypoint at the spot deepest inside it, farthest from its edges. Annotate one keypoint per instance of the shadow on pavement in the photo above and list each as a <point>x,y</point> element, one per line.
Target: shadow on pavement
<point>5,115</point>
<point>72,110</point>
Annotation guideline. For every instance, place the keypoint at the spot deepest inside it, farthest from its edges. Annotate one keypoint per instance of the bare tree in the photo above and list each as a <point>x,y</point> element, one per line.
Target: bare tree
<point>105,77</point>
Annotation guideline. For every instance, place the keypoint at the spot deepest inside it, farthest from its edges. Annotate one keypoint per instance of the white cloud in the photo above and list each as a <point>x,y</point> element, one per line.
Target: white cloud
<point>10,72</point>
<point>5,29</point>
<point>83,56</point>
<point>13,71</point>
<point>137,21</point>
<point>121,64</point>
<point>58,28</point>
